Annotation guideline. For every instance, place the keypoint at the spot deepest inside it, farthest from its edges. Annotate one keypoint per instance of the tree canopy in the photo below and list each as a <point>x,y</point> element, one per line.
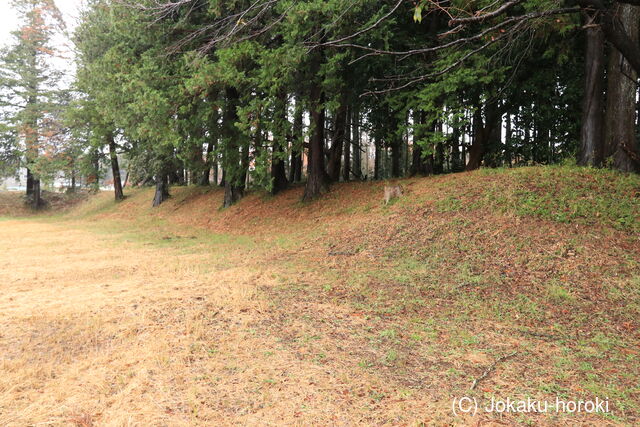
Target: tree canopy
<point>268,93</point>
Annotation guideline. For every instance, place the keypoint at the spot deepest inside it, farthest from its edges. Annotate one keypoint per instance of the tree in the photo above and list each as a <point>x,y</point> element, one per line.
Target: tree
<point>258,87</point>
<point>30,94</point>
<point>138,91</point>
<point>620,142</point>
<point>591,138</point>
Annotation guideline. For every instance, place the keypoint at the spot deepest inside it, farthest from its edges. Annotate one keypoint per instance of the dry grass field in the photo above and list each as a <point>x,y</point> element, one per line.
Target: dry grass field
<point>339,312</point>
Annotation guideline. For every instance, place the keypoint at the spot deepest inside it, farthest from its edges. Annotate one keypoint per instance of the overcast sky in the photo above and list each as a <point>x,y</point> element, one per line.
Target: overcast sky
<point>69,9</point>
<point>8,23</point>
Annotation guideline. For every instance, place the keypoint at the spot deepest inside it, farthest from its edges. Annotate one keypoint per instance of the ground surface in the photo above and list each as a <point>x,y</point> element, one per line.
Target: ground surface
<point>338,312</point>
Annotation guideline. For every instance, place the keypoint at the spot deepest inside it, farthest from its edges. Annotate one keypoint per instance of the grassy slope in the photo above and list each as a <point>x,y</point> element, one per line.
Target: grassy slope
<point>405,305</point>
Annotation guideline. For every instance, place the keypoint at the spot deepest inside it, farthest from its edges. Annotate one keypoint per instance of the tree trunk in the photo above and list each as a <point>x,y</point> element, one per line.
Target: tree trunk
<point>614,29</point>
<point>213,135</point>
<point>418,166</point>
<point>317,176</point>
<point>232,193</point>
<point>33,185</point>
<point>620,145</point>
<point>297,143</point>
<point>335,153</point>
<point>476,150</point>
<point>405,145</point>
<point>507,141</point>
<point>278,171</point>
<point>346,167</point>
<point>483,133</point>
<point>37,195</point>
<point>197,164</point>
<point>174,177</point>
<point>357,154</point>
<point>463,150</point>
<point>493,128</point>
<point>526,151</point>
<point>638,111</point>
<point>591,132</point>
<point>162,189</point>
<point>244,166</point>
<point>377,161</point>
<point>396,144</point>
<point>233,165</point>
<point>31,131</point>
<point>94,178</point>
<point>456,162</point>
<point>115,168</point>
<point>438,160</point>
<point>206,174</point>
<point>29,182</point>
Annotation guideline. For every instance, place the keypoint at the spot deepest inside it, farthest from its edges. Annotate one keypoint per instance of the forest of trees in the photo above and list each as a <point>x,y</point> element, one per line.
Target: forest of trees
<point>268,93</point>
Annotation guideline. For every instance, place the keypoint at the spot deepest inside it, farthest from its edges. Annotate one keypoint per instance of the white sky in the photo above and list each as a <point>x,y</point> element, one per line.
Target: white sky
<point>69,8</point>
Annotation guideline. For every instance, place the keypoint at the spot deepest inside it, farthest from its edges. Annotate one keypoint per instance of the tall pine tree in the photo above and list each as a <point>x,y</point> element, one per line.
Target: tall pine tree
<point>30,95</point>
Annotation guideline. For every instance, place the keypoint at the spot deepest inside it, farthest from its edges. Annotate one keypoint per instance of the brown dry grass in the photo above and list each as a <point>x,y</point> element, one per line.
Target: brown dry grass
<point>14,204</point>
<point>100,332</point>
<point>338,312</point>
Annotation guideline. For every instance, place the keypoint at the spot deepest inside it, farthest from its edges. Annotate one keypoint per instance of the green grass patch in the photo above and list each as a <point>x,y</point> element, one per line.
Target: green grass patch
<point>568,194</point>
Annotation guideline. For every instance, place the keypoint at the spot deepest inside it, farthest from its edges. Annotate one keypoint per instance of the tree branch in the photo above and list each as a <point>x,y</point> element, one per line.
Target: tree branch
<point>614,31</point>
<point>483,17</point>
